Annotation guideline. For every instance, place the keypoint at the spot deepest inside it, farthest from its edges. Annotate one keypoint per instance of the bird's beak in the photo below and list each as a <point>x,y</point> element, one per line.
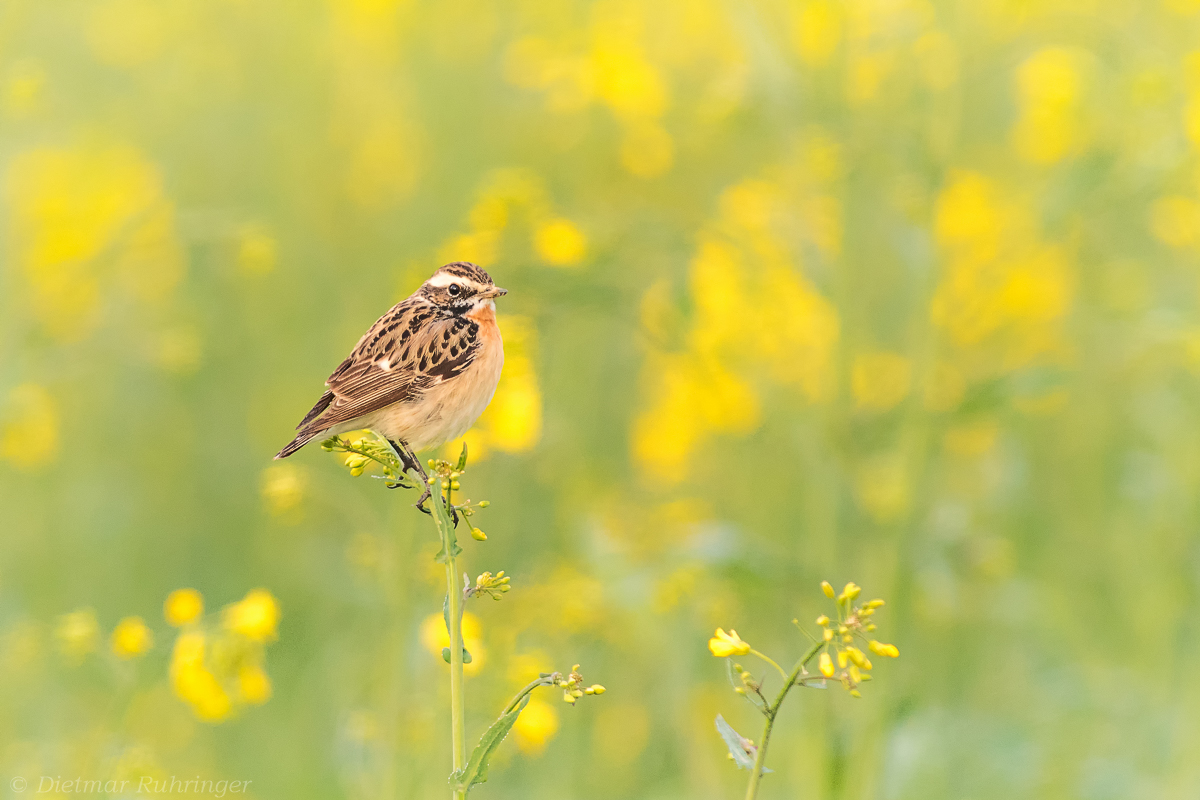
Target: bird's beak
<point>495,291</point>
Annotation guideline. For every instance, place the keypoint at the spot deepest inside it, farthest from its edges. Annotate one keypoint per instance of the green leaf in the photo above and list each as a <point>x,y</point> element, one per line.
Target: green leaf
<point>740,748</point>
<point>477,765</point>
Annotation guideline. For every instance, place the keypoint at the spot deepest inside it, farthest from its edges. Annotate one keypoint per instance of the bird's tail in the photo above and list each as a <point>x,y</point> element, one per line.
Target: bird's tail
<point>295,444</point>
<point>308,431</point>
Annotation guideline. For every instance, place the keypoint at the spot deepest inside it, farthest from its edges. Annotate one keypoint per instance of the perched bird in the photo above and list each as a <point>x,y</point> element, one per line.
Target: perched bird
<point>422,374</point>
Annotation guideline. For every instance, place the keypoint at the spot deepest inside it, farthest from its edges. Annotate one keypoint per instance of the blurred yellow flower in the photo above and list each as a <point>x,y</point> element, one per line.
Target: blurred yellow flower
<point>23,89</point>
<point>131,638</point>
<point>179,350</point>
<point>817,31</point>
<point>1049,84</point>
<point>69,206</point>
<point>128,33</point>
<point>536,726</point>
<point>1175,220</point>
<point>512,422</point>
<point>183,606</point>
<point>282,488</point>
<point>29,433</point>
<point>254,686</point>
<point>647,150</point>
<point>78,632</point>
<point>257,250</point>
<point>882,488</point>
<point>383,165</point>
<point>826,665</point>
<point>972,439</point>
<point>879,381</point>
<point>723,645</point>
<point>559,242</point>
<point>435,638</point>
<point>626,81</point>
<point>256,616</point>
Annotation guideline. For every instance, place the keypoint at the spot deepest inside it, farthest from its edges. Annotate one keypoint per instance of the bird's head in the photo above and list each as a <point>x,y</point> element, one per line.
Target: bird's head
<point>460,287</point>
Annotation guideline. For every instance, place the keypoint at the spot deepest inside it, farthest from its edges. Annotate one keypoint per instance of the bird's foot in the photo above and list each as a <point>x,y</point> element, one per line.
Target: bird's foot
<point>420,504</point>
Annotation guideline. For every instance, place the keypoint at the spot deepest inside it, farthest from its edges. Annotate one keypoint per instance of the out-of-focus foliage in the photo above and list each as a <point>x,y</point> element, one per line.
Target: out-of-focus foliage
<point>895,290</point>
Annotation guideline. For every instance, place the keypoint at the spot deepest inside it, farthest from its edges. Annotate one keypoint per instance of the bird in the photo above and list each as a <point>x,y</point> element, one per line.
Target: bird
<point>422,374</point>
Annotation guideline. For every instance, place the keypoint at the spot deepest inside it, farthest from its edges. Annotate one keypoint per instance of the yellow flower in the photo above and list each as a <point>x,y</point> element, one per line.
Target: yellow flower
<point>881,649</point>
<point>537,725</point>
<point>282,488</point>
<point>827,588</point>
<point>560,243</point>
<point>725,644</point>
<point>254,685</point>
<point>194,683</point>
<point>78,632</point>
<point>255,616</point>
<point>435,637</point>
<point>850,592</point>
<point>826,665</point>
<point>131,638</point>
<point>183,606</point>
<point>29,428</point>
<point>822,620</point>
<point>257,251</point>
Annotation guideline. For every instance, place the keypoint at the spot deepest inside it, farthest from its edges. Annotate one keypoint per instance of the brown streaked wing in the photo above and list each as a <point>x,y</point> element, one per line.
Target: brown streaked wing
<point>420,354</point>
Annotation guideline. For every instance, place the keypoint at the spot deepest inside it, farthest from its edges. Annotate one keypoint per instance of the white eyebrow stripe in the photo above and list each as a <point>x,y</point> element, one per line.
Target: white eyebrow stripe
<point>442,279</point>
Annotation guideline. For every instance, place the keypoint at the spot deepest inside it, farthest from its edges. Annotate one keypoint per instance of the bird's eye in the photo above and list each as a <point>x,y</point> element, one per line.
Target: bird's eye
<point>454,290</point>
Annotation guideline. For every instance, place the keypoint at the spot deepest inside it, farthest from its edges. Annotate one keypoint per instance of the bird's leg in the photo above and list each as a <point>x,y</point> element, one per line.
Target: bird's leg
<point>412,462</point>
<point>407,460</point>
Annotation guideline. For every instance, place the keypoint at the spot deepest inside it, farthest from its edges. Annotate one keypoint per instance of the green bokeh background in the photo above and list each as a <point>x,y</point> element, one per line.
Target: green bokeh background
<point>991,209</point>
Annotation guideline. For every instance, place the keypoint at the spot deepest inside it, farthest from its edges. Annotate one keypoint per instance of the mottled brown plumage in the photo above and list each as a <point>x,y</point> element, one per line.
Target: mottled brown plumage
<point>423,372</point>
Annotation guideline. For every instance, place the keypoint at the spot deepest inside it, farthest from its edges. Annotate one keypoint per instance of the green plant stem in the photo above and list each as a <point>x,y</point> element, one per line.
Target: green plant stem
<point>770,712</point>
<point>549,681</point>
<point>454,607</point>
<point>770,661</point>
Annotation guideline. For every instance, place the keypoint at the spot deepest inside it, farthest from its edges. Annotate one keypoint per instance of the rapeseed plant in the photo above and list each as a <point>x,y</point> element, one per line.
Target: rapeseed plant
<point>444,479</point>
<point>851,624</point>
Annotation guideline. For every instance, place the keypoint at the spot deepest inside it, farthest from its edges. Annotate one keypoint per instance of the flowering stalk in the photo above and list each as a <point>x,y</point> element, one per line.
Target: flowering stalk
<point>454,614</point>
<point>770,712</point>
<point>853,623</point>
<point>442,482</point>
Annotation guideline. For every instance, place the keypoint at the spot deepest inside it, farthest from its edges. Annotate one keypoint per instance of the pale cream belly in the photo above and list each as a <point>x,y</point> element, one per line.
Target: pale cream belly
<point>444,412</point>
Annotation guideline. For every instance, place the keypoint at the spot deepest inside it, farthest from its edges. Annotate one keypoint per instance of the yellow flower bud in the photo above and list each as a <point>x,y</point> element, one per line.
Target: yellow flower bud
<point>856,655</point>
<point>842,658</point>
<point>881,649</point>
<point>855,675</point>
<point>598,689</point>
<point>850,591</point>
<point>855,693</point>
<point>356,471</point>
<point>829,634</point>
<point>478,535</point>
<point>822,620</point>
<point>826,665</point>
<point>875,604</point>
<point>827,588</point>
